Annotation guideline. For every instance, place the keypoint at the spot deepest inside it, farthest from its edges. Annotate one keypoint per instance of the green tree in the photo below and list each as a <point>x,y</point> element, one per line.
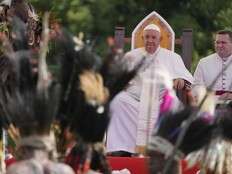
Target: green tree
<point>98,18</point>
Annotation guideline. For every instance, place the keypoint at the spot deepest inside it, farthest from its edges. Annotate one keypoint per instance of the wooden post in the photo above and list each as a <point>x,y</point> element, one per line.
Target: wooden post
<point>119,36</point>
<point>187,47</point>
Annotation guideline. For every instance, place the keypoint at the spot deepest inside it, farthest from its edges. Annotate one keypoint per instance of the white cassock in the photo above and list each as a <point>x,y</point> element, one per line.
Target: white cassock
<point>209,67</point>
<point>129,105</point>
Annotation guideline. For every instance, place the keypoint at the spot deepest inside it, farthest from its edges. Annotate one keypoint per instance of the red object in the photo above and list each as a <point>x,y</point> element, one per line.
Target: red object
<point>10,161</point>
<point>138,165</point>
<point>185,170</point>
<point>135,165</point>
<point>73,161</point>
<point>222,92</point>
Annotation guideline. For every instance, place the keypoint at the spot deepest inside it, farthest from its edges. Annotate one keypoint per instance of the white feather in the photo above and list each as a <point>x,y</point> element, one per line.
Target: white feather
<point>6,2</point>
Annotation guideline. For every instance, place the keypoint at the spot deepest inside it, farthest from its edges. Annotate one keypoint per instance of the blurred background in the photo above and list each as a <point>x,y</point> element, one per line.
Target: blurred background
<point>97,19</point>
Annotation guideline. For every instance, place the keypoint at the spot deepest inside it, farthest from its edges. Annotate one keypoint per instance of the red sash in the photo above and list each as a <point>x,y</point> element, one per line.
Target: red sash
<point>220,92</point>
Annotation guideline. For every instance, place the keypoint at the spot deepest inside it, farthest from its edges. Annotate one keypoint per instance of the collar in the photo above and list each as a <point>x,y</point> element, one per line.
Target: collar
<point>146,54</point>
<point>224,59</point>
<point>155,53</point>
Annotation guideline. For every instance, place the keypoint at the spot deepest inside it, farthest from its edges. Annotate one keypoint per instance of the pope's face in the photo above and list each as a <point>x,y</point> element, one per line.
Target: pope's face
<point>223,45</point>
<point>151,40</point>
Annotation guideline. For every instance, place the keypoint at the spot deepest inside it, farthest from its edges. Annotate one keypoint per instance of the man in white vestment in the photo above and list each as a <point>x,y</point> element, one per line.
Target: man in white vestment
<point>122,130</point>
<point>209,67</point>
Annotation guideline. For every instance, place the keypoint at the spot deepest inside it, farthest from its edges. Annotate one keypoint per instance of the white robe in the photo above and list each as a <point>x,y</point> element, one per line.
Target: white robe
<point>207,70</point>
<point>126,106</point>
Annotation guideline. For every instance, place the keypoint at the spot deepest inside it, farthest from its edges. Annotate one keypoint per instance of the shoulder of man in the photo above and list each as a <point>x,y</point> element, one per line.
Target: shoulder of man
<point>134,55</point>
<point>135,52</point>
<point>60,168</point>
<point>207,59</point>
<point>168,52</point>
<point>34,166</point>
<point>25,166</point>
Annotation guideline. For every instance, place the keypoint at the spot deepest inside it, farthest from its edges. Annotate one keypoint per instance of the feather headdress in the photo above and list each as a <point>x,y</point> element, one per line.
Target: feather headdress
<point>166,134</point>
<point>206,142</point>
<point>88,85</point>
<point>215,156</point>
<point>30,106</point>
<point>6,2</point>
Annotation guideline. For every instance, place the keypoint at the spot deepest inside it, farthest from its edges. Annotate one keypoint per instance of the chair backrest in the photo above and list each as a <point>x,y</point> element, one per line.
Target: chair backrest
<point>167,34</point>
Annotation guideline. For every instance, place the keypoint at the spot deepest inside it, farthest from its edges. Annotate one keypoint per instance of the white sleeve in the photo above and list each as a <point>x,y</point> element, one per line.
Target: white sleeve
<point>179,69</point>
<point>130,60</point>
<point>199,75</point>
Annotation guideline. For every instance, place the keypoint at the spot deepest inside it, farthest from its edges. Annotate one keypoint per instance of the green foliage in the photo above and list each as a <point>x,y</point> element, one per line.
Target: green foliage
<point>98,18</point>
<point>223,19</point>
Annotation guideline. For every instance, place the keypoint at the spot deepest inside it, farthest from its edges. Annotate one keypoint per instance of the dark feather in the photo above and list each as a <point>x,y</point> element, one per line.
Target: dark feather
<point>224,121</point>
<point>32,112</point>
<point>170,124</point>
<point>24,77</point>
<point>85,118</point>
<point>197,135</point>
<point>115,72</point>
<point>19,8</point>
<point>88,122</point>
<point>30,109</point>
<point>18,34</point>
